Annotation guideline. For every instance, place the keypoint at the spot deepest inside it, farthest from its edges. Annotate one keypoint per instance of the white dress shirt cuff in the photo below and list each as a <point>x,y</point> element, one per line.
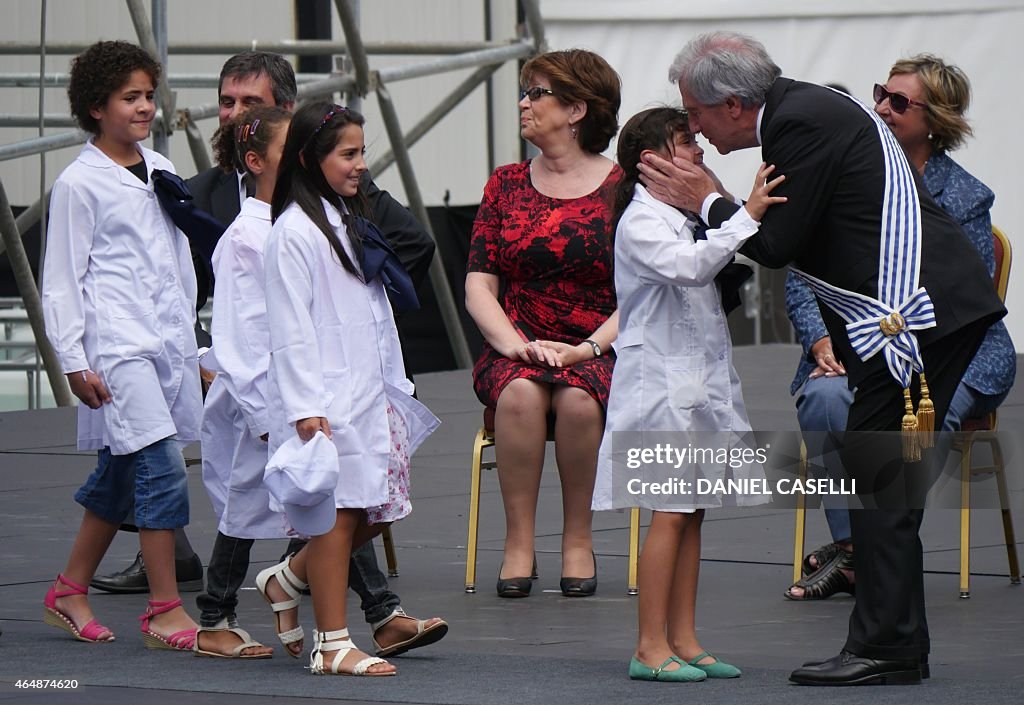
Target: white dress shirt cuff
<point>705,207</point>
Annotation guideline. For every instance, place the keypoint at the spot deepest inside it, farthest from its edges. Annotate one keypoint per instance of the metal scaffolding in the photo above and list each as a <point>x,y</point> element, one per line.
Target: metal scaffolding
<point>485,56</point>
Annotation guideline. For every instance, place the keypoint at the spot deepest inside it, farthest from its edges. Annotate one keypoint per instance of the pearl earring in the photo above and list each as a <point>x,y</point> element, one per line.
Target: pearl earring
<point>573,131</point>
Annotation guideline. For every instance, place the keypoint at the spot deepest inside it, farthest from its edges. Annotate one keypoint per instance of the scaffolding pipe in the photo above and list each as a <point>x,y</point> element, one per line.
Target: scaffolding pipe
<point>196,145</point>
<point>354,40</point>
<point>462,61</point>
<point>447,104</point>
<point>161,141</point>
<point>26,219</point>
<point>294,47</point>
<point>438,279</point>
<point>313,89</point>
<point>49,120</point>
<point>30,216</point>
<point>144,30</point>
<point>328,86</point>
<point>38,145</point>
<point>535,25</point>
<point>184,80</point>
<point>37,382</point>
<point>22,272</point>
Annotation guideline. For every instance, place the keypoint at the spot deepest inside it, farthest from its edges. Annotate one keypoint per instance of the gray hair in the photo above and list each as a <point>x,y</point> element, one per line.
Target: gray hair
<point>717,65</point>
<point>250,64</point>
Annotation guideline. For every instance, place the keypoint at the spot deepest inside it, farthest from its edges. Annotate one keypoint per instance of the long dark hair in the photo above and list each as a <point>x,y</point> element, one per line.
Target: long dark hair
<point>654,128</point>
<point>314,132</point>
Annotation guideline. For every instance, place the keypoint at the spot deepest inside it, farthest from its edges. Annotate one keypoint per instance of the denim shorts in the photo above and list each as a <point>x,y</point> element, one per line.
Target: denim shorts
<point>152,479</point>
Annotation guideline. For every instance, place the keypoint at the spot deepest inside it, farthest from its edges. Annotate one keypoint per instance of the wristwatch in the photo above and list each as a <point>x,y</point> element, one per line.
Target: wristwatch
<point>596,348</point>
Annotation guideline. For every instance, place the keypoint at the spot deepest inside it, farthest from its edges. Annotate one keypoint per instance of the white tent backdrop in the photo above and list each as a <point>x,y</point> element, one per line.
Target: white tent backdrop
<point>826,41</point>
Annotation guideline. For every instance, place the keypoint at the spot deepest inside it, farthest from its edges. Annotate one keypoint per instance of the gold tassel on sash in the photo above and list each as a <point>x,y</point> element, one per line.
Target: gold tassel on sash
<point>926,417</point>
<point>911,440</point>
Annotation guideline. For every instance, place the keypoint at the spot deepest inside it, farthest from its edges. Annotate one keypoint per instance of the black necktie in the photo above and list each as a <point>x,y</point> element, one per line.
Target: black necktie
<point>731,277</point>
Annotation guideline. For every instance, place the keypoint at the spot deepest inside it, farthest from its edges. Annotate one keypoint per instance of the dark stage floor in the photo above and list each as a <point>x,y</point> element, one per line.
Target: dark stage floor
<point>542,650</point>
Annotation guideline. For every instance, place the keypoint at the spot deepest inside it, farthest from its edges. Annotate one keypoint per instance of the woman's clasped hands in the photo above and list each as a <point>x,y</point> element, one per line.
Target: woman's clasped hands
<point>549,353</point>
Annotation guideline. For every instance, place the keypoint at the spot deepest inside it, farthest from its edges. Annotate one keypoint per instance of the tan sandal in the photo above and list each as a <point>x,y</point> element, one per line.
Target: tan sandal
<point>425,636</point>
<point>222,626</point>
<point>339,642</point>
<point>291,584</point>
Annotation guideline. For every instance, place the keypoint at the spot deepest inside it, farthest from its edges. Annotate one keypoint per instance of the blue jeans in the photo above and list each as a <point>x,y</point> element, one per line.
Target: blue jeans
<point>821,409</point>
<point>151,479</point>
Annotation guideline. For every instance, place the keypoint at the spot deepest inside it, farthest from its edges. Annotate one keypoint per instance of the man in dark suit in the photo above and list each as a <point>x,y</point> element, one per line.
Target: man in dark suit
<point>262,78</point>
<point>858,222</point>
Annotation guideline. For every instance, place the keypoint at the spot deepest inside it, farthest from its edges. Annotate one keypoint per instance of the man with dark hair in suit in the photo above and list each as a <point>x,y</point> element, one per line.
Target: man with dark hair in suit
<point>901,291</point>
<point>263,78</point>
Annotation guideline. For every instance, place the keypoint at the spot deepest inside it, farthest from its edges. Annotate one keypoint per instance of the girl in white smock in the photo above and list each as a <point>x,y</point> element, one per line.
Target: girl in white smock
<point>118,298</point>
<point>673,382</point>
<point>336,365</point>
<point>235,417</point>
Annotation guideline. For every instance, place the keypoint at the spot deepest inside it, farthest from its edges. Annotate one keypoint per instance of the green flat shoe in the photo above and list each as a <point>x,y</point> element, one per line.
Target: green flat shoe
<point>640,671</point>
<point>717,668</point>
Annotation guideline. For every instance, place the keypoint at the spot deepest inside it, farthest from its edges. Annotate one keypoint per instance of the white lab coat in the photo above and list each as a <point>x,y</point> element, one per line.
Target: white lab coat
<point>235,413</point>
<point>335,353</point>
<point>673,371</point>
<point>119,293</point>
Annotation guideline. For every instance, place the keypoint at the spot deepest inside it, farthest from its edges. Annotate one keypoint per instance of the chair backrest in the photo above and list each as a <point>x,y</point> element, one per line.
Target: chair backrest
<point>1004,254</point>
<point>1001,278</point>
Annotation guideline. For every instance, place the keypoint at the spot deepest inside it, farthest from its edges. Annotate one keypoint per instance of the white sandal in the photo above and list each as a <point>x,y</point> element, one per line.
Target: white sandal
<point>291,584</point>
<point>424,636</point>
<point>236,652</point>
<point>339,642</point>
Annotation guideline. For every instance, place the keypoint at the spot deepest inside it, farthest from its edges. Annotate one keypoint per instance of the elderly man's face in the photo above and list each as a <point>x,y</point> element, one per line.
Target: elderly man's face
<point>722,124</point>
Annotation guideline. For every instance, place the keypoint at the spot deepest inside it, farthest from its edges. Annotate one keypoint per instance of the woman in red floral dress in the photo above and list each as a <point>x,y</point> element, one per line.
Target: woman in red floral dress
<point>541,290</point>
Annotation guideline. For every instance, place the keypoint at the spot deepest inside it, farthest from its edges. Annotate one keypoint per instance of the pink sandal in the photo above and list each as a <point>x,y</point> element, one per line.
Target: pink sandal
<point>184,640</point>
<point>55,618</point>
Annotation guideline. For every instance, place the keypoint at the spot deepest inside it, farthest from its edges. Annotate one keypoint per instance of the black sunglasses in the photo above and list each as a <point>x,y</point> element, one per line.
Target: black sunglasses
<point>897,101</point>
<point>535,93</point>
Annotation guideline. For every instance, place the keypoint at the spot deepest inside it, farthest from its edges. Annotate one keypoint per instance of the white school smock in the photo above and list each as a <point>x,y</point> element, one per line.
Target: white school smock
<point>335,353</point>
<point>673,370</point>
<point>235,412</point>
<point>119,293</point>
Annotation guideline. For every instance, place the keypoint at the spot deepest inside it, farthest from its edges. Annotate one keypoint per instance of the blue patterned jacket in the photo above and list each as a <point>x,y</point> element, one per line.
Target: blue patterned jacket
<point>968,201</point>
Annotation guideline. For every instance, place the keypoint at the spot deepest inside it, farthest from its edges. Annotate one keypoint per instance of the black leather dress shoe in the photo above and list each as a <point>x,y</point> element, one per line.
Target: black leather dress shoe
<point>850,669</point>
<point>926,671</point>
<point>133,578</point>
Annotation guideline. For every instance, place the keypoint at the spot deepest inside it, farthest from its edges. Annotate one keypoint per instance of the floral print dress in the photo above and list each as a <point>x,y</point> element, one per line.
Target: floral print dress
<point>554,260</point>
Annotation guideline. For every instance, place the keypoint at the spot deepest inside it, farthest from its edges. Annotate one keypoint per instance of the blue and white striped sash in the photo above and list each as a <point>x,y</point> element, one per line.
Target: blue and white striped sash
<point>887,323</point>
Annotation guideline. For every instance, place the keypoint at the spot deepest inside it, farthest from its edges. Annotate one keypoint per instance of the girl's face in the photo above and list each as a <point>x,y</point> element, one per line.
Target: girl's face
<point>685,147</point>
<point>343,166</point>
<point>129,111</point>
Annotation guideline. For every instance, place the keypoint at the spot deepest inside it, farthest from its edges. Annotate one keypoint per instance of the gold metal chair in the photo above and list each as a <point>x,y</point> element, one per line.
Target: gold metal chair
<point>799,530</point>
<point>484,440</point>
<point>983,430</point>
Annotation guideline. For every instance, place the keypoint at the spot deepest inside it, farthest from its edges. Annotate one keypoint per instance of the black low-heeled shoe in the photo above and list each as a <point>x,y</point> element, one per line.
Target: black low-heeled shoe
<point>516,587</point>
<point>580,587</point>
<point>827,580</point>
